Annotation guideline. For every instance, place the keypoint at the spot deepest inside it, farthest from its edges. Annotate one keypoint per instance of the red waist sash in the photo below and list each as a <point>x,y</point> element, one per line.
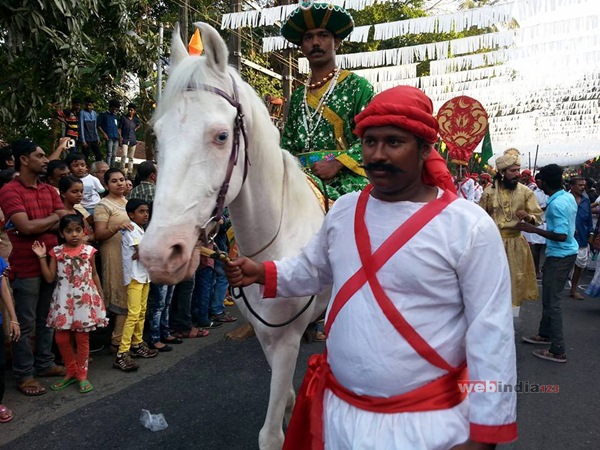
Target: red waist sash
<point>305,430</point>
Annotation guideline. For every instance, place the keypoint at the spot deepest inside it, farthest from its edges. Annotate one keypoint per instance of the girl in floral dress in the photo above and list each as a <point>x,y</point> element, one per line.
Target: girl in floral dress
<point>77,306</point>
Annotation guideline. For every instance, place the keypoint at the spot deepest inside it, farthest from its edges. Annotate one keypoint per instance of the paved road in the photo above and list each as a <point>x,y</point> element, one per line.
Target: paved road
<point>213,394</point>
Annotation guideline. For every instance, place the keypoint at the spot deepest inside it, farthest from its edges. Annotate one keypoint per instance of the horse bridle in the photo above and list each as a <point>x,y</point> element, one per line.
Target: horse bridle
<point>238,129</point>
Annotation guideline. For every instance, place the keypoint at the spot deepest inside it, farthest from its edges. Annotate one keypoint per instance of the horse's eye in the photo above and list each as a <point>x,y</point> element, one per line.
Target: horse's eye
<point>221,138</point>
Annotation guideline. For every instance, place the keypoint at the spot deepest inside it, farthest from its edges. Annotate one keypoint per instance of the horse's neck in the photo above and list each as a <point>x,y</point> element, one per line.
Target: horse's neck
<point>257,211</point>
<point>274,199</point>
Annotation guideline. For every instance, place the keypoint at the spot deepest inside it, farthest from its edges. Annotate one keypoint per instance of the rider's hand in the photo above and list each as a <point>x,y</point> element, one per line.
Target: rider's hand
<point>326,170</point>
<point>243,272</point>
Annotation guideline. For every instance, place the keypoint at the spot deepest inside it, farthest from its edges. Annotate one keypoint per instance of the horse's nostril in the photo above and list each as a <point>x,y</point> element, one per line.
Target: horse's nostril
<point>177,250</point>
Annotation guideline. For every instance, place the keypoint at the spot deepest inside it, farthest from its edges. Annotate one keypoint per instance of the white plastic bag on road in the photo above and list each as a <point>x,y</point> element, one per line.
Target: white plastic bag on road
<point>154,422</point>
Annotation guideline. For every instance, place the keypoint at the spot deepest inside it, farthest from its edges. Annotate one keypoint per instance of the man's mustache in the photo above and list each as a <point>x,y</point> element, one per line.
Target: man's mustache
<point>382,166</point>
<point>317,50</point>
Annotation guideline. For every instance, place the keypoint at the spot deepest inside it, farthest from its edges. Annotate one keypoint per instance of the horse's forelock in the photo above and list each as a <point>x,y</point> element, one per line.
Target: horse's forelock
<point>187,75</point>
<point>190,75</point>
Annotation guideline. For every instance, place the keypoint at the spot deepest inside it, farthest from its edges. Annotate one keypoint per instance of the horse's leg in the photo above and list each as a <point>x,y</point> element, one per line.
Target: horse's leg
<point>289,406</point>
<point>281,350</point>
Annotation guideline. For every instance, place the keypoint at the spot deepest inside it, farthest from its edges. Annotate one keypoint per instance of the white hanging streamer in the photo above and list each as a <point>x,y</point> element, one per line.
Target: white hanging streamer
<point>537,89</point>
<point>240,19</point>
<point>275,43</point>
<point>360,34</point>
<point>445,23</point>
<point>385,74</point>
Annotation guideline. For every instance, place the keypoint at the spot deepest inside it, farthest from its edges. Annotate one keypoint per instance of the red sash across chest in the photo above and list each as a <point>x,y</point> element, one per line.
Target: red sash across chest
<point>462,191</point>
<point>305,430</point>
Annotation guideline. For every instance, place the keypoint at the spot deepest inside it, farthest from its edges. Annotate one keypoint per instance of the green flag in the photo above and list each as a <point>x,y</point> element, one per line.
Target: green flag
<point>486,149</point>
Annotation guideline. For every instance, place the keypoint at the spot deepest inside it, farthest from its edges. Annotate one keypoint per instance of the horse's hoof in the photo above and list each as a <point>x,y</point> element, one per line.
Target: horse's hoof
<point>241,333</point>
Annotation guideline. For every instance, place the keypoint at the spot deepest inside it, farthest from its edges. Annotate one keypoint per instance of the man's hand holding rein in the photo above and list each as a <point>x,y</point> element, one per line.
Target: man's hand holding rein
<point>243,271</point>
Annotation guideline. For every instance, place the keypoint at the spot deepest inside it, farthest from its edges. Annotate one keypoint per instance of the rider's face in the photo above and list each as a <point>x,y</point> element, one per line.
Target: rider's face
<point>319,45</point>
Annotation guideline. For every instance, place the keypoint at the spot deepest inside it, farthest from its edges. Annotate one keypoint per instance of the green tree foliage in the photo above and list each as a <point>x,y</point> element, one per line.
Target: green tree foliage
<point>42,42</point>
<point>51,50</point>
<point>262,83</point>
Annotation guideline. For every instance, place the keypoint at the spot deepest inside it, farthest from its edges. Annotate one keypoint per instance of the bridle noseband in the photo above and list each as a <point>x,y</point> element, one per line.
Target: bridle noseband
<point>238,128</point>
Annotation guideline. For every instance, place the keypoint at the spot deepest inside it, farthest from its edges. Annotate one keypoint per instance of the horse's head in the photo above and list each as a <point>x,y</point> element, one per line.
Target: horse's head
<point>195,126</point>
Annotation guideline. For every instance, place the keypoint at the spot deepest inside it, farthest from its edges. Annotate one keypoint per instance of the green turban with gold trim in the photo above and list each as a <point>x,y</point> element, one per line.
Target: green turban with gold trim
<point>309,16</point>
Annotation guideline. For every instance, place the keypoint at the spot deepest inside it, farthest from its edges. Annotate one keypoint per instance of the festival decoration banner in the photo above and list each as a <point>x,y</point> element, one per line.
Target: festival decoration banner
<point>463,123</point>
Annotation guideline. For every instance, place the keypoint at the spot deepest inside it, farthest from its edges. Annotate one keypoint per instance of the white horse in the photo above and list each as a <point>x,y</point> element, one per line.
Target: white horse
<point>272,209</point>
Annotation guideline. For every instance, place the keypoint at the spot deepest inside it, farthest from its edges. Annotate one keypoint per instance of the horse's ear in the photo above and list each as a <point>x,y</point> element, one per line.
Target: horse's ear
<point>178,50</point>
<point>214,47</point>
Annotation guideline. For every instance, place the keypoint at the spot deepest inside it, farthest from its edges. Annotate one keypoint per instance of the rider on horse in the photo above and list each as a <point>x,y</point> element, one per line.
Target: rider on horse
<point>321,116</point>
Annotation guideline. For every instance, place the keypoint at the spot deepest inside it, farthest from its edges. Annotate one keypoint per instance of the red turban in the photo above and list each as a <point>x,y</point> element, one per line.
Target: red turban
<point>408,108</point>
<point>404,107</point>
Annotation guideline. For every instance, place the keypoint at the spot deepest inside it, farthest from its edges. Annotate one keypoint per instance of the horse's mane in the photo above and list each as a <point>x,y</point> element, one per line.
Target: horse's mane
<point>190,73</point>
<point>265,137</point>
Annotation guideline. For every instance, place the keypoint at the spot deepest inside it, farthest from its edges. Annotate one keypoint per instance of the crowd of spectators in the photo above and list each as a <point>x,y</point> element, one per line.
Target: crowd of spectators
<point>70,229</point>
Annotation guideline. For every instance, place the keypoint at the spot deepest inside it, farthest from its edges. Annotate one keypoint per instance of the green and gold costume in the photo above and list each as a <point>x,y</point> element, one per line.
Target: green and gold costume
<point>333,137</point>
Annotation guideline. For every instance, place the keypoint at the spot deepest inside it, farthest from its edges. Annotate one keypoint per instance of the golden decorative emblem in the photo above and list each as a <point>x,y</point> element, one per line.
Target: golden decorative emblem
<point>463,123</point>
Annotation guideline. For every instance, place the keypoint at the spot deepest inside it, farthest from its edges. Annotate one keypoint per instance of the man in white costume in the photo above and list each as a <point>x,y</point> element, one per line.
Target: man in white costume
<point>466,187</point>
<point>478,189</point>
<point>409,310</point>
<point>537,243</point>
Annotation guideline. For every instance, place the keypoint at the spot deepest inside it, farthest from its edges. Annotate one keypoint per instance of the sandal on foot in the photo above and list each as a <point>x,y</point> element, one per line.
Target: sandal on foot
<point>6,415</point>
<point>172,340</point>
<point>195,333</point>
<point>85,386</point>
<point>60,385</point>
<point>576,296</point>
<point>224,317</point>
<point>31,387</point>
<point>164,348</point>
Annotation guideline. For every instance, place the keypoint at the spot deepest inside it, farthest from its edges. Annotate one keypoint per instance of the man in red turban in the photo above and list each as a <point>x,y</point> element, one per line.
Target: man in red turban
<point>407,315</point>
<point>528,180</point>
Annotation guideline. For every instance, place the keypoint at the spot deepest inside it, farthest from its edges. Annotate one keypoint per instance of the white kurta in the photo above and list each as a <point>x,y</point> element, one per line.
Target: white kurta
<point>477,193</point>
<point>542,198</point>
<point>467,189</point>
<point>450,282</point>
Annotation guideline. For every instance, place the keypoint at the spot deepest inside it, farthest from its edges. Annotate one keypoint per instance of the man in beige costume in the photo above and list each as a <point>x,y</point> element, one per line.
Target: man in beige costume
<point>509,202</point>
